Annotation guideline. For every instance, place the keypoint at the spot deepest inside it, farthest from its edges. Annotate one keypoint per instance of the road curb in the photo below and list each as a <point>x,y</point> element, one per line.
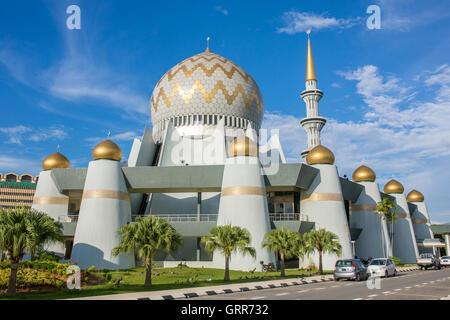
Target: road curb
<point>205,292</point>
<point>446,298</point>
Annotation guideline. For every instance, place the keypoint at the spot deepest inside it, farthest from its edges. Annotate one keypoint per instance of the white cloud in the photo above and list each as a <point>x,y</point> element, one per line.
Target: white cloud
<point>221,10</point>
<point>19,133</point>
<point>295,22</point>
<point>19,165</point>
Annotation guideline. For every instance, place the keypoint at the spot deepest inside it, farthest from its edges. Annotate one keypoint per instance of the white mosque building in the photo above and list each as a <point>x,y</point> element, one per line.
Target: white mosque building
<point>205,164</point>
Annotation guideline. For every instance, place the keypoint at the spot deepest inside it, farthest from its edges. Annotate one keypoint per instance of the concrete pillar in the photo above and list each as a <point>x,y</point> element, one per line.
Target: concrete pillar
<point>447,244</point>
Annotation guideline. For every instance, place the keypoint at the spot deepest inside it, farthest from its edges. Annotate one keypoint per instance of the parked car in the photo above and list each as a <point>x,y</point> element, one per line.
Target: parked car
<point>444,261</point>
<point>352,269</point>
<point>382,267</point>
<point>428,260</point>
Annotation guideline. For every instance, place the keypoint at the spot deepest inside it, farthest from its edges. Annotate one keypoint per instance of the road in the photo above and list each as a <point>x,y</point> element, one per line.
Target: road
<point>414,285</point>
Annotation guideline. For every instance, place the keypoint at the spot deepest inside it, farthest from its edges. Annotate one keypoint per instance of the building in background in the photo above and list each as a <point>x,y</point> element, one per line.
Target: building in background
<point>17,191</point>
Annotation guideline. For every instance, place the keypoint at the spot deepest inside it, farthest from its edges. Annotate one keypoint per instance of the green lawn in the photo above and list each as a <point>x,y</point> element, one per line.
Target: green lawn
<point>163,279</point>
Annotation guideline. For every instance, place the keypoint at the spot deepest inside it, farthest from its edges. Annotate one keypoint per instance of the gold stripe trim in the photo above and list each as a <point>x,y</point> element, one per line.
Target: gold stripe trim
<point>420,221</point>
<point>322,197</point>
<point>187,94</point>
<point>363,207</point>
<point>237,191</point>
<point>208,72</point>
<point>106,194</point>
<point>50,200</point>
<point>401,215</point>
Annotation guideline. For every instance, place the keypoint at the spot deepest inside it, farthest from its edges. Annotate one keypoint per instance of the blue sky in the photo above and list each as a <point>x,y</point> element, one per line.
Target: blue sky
<point>386,91</point>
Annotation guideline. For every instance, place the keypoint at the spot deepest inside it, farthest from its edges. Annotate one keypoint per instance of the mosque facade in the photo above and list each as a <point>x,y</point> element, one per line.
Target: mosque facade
<point>205,164</point>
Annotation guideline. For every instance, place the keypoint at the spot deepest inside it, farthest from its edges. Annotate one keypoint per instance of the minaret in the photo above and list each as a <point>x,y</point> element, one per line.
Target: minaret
<point>405,245</point>
<point>243,203</point>
<point>105,207</point>
<point>420,219</point>
<point>313,123</point>
<point>48,198</point>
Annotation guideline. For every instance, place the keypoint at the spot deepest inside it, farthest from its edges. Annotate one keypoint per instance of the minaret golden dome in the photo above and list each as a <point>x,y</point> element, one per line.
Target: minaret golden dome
<point>415,196</point>
<point>107,150</point>
<point>364,173</point>
<point>393,186</point>
<point>320,155</point>
<point>243,146</point>
<point>310,71</point>
<point>56,160</point>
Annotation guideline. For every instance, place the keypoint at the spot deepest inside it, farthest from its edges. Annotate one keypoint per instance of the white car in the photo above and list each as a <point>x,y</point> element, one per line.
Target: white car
<point>381,267</point>
<point>445,261</point>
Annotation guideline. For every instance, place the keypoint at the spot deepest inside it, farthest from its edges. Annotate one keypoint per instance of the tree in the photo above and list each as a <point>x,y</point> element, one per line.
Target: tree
<point>386,210</point>
<point>17,235</point>
<point>227,240</point>
<point>147,235</point>
<point>42,229</point>
<point>323,241</point>
<point>282,241</point>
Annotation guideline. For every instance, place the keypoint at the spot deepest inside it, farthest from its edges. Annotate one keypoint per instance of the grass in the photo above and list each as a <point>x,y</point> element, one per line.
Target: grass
<point>163,279</point>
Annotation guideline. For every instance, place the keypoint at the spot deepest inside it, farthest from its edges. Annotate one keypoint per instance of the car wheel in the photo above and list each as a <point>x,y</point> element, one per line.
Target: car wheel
<point>336,279</point>
<point>386,274</point>
<point>358,277</point>
<point>395,273</point>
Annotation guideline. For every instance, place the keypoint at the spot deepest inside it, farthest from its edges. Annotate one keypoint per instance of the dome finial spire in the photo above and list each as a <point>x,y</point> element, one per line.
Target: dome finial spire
<point>207,44</point>
<point>310,71</point>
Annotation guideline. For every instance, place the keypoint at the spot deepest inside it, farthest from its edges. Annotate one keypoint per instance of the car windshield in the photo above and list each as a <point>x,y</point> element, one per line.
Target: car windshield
<point>343,263</point>
<point>426,255</point>
<point>377,262</point>
<point>446,257</point>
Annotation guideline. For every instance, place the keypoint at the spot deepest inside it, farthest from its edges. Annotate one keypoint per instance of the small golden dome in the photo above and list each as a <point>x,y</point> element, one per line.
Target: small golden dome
<point>320,155</point>
<point>415,196</point>
<point>393,186</point>
<point>107,150</point>
<point>56,160</point>
<point>364,173</point>
<point>243,146</point>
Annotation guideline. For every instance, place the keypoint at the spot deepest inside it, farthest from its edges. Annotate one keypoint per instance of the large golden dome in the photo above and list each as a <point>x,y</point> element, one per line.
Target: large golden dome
<point>202,89</point>
<point>107,150</point>
<point>56,160</point>
<point>364,173</point>
<point>320,155</point>
<point>243,146</point>
<point>415,196</point>
<point>393,186</point>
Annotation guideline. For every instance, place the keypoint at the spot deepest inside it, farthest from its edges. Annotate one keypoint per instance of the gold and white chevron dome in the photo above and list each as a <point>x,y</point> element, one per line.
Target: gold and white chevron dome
<point>201,90</point>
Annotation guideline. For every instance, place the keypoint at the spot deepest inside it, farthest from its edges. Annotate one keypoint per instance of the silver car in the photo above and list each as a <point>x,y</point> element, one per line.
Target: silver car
<point>352,269</point>
<point>445,261</point>
<point>381,267</point>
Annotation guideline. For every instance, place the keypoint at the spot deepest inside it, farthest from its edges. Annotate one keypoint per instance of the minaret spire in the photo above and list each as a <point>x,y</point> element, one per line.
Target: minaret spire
<point>313,123</point>
<point>310,71</point>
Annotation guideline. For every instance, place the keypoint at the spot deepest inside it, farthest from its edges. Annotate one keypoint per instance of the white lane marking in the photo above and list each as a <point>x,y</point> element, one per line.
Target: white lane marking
<point>257,298</point>
<point>282,294</point>
<point>417,285</point>
<point>320,288</point>
<point>348,284</point>
<point>407,287</point>
<point>303,291</point>
<point>335,286</point>
<point>358,299</point>
<point>386,292</point>
<point>397,289</point>
<point>372,295</point>
<point>425,283</point>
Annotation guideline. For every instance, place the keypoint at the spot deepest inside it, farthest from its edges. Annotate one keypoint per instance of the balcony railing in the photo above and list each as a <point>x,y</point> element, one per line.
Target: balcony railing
<point>213,217</point>
<point>68,218</point>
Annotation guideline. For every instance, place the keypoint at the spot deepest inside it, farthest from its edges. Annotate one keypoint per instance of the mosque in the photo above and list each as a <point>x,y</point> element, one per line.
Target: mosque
<point>206,163</point>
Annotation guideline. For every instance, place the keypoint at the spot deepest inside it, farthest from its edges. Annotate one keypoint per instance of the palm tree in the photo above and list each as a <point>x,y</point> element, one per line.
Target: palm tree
<point>301,249</point>
<point>228,239</point>
<point>386,210</point>
<point>147,235</point>
<point>323,241</point>
<point>282,241</point>
<point>18,235</point>
<point>42,229</point>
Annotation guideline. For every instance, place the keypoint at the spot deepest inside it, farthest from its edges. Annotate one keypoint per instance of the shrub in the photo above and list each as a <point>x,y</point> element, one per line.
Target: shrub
<point>47,256</point>
<point>27,277</point>
<point>91,269</point>
<point>108,276</point>
<point>396,260</point>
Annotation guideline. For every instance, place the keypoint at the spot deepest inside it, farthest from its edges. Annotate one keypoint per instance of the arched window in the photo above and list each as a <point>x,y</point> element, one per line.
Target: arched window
<point>11,177</point>
<point>26,178</point>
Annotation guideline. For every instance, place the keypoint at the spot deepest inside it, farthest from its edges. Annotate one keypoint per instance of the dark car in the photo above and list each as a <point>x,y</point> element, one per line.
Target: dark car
<point>352,269</point>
